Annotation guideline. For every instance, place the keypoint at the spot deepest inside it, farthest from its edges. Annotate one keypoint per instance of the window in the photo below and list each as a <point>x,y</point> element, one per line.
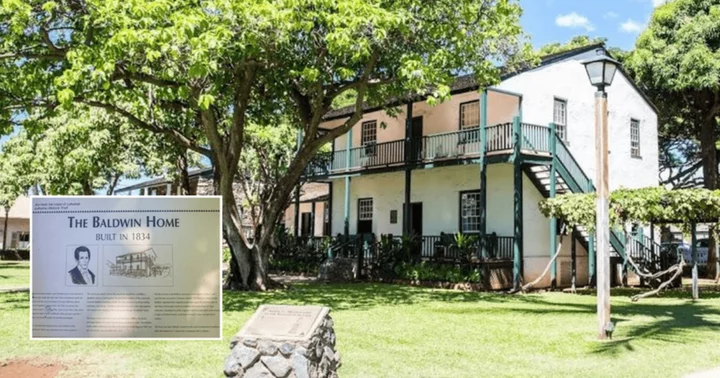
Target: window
<point>560,118</point>
<point>470,115</point>
<point>470,211</point>
<point>634,138</point>
<point>365,209</point>
<point>393,216</point>
<point>369,137</point>
<point>19,240</point>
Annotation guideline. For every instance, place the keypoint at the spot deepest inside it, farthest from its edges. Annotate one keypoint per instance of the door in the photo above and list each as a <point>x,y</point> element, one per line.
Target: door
<point>365,216</point>
<point>416,141</point>
<point>416,215</point>
<point>305,224</point>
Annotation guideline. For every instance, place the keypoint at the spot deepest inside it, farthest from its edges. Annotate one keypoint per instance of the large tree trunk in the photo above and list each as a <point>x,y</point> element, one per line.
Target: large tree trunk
<point>252,276</point>
<point>708,138</point>
<point>182,166</point>
<point>7,216</point>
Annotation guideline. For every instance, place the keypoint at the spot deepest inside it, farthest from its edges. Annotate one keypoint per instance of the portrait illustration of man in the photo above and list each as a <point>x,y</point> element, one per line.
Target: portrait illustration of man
<point>81,274</point>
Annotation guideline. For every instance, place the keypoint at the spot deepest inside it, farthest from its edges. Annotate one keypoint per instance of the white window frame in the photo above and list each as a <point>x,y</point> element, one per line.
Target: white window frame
<point>464,116</point>
<point>368,137</point>
<point>634,137</point>
<point>470,223</point>
<point>365,209</point>
<point>560,117</point>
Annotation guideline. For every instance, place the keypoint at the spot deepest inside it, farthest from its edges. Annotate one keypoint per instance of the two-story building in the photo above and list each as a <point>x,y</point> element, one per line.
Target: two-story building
<point>481,162</point>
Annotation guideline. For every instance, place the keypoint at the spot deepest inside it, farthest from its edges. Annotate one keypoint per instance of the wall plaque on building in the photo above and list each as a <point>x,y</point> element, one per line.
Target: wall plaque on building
<point>126,267</point>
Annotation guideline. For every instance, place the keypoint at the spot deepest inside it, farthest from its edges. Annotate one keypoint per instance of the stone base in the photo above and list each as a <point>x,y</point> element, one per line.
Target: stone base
<point>312,358</point>
<point>338,269</point>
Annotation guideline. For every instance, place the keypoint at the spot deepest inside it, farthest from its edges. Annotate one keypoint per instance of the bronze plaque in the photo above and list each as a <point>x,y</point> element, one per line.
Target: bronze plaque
<point>284,322</point>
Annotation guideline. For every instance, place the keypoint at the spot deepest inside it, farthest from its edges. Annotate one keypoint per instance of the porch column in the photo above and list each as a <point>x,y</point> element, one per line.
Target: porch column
<point>297,210</point>
<point>693,245</point>
<point>518,199</point>
<point>483,174</point>
<point>553,220</point>
<point>329,205</point>
<point>348,144</point>
<point>407,222</point>
<point>168,189</point>
<point>312,219</point>
<point>573,258</point>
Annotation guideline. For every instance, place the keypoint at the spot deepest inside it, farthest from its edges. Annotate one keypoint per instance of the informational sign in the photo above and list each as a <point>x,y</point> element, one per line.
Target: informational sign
<point>283,322</point>
<point>126,267</point>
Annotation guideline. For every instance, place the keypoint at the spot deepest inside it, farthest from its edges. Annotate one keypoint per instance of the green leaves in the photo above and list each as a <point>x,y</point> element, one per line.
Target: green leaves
<point>643,206</point>
<point>205,100</point>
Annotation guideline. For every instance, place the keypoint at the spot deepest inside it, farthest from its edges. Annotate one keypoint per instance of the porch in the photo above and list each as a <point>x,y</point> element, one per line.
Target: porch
<point>446,148</point>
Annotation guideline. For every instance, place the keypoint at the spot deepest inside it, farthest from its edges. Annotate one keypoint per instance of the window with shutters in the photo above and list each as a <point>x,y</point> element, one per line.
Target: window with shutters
<point>560,118</point>
<point>634,138</point>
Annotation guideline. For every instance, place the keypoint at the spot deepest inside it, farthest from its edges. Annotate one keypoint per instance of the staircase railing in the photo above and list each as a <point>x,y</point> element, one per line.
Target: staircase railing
<point>579,182</point>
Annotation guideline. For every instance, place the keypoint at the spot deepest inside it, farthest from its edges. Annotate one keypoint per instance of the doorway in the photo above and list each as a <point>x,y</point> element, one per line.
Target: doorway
<point>305,224</point>
<point>416,216</point>
<point>417,139</point>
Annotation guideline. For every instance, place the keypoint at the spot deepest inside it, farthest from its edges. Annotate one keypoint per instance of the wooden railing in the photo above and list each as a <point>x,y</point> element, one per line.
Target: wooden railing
<point>535,138</point>
<point>499,137</point>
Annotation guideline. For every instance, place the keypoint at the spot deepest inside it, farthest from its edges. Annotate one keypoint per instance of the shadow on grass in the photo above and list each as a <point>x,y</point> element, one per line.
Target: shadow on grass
<point>14,301</point>
<point>651,318</point>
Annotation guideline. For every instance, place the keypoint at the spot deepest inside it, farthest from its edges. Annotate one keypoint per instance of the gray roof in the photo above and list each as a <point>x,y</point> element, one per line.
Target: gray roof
<point>204,172</point>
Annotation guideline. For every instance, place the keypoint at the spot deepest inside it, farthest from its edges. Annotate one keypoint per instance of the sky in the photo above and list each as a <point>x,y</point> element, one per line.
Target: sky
<point>620,21</point>
<point>547,21</point>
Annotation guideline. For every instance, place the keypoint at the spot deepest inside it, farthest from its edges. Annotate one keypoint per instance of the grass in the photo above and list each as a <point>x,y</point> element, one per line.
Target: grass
<point>395,331</point>
<point>14,274</point>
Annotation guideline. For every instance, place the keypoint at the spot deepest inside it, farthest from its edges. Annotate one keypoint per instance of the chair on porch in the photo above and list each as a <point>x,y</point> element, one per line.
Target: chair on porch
<point>442,247</point>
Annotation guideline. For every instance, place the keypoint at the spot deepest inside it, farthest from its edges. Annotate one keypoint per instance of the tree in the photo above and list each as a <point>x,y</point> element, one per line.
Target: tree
<point>574,43</point>
<point>200,72</point>
<point>15,179</point>
<point>87,150</point>
<point>677,60</point>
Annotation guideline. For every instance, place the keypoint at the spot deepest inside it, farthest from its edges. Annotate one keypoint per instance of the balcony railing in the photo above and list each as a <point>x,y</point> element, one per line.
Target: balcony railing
<point>461,144</point>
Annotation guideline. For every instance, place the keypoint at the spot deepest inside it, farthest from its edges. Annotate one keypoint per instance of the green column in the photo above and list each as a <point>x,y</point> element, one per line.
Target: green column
<point>518,200</point>
<point>348,145</point>
<point>693,238</point>
<point>483,173</point>
<point>553,190</point>
<point>573,258</point>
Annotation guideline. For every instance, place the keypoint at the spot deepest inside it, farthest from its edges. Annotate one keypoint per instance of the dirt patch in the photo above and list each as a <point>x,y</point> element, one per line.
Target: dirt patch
<point>22,368</point>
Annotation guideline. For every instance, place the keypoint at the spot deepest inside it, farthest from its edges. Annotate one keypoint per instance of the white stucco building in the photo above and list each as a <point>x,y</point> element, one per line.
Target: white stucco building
<point>373,172</point>
<point>18,225</point>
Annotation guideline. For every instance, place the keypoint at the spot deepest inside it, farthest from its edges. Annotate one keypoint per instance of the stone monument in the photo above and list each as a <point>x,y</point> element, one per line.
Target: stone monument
<point>285,342</point>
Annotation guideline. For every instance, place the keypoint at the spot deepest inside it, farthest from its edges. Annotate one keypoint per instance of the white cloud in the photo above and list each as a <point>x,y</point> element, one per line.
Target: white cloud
<point>610,15</point>
<point>574,20</point>
<point>631,26</point>
<point>657,3</point>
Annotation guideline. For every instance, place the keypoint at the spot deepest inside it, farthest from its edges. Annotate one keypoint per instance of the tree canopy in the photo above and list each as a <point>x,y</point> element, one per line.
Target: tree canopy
<point>199,72</point>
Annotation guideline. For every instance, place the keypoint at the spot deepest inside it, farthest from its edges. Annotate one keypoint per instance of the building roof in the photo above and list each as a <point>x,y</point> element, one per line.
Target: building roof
<point>314,192</point>
<point>138,253</point>
<point>163,180</point>
<point>467,83</point>
<point>19,210</point>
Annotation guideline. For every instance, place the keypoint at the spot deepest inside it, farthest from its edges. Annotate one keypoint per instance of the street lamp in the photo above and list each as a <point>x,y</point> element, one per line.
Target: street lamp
<point>601,71</point>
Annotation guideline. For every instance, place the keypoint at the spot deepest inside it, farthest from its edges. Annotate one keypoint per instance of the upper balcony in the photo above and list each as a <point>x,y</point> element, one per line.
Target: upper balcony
<point>441,148</point>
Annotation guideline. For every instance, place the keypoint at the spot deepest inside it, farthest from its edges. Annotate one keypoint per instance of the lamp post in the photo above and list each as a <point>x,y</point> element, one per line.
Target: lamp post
<point>601,71</point>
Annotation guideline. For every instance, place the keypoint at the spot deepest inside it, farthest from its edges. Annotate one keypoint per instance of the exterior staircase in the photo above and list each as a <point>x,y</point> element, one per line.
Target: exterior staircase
<point>570,178</point>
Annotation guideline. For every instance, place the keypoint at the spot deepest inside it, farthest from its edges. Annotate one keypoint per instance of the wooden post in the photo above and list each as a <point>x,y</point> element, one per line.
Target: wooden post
<point>483,174</point>
<point>312,219</point>
<point>407,221</point>
<point>573,259</point>
<point>518,201</point>
<point>602,212</point>
<point>553,192</point>
<point>297,211</point>
<point>693,238</point>
<point>329,205</point>
<point>348,144</point>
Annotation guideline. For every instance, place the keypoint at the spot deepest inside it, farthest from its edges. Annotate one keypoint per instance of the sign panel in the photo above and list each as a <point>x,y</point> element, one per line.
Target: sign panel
<point>283,322</point>
<point>126,267</point>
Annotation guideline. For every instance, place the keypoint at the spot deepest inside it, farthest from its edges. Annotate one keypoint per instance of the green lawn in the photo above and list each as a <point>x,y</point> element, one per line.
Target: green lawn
<point>394,331</point>
<point>14,274</point>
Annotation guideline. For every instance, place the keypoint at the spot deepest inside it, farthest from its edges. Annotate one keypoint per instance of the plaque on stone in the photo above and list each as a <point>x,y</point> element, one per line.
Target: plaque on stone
<point>278,322</point>
<point>283,341</point>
